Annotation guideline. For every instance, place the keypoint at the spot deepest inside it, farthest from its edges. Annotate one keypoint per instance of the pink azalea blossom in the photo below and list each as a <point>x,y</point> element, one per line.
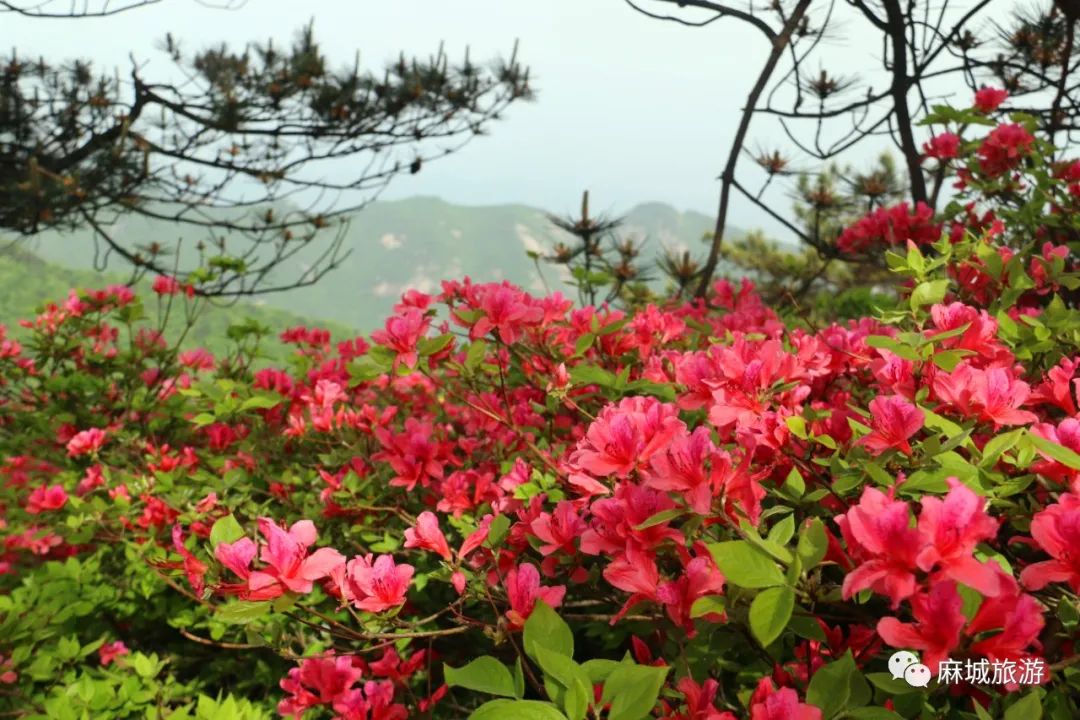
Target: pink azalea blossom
<point>523,589</point>
<point>626,435</point>
<point>166,285</point>
<point>692,466</point>
<point>1060,386</point>
<point>44,499</point>
<point>458,580</point>
<point>699,701</point>
<point>937,626</point>
<point>950,529</point>
<point>879,533</point>
<point>893,420</point>
<point>768,703</point>
<point>700,577</point>
<point>1057,531</point>
<point>943,146</point>
<point>194,568</point>
<point>992,395</point>
<point>477,537</point>
<point>1067,434</point>
<point>1017,619</point>
<point>559,530</point>
<point>374,584</point>
<point>506,310</point>
<point>86,442</point>
<point>237,556</point>
<point>288,567</point>
<point>317,681</point>
<point>427,535</point>
<point>402,333</point>
<point>108,652</point>
<point>989,99</point>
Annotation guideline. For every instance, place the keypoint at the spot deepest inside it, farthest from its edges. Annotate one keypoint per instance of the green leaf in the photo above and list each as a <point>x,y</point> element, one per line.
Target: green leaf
<point>996,446</point>
<point>947,360</point>
<point>144,666</point>
<point>583,343</point>
<point>599,669</point>
<point>261,402</point>
<point>366,368</point>
<point>241,612</point>
<point>516,710</point>
<point>1068,613</point>
<point>837,686</point>
<point>225,530</point>
<point>745,565</point>
<point>782,531</point>
<point>928,293</point>
<point>797,426</point>
<point>872,713</point>
<point>770,612</point>
<point>484,674</point>
<point>794,485</point>
<point>475,354</point>
<point>519,678</point>
<point>769,546</point>
<point>661,517</point>
<point>284,603</point>
<point>981,711</point>
<point>663,391</point>
<point>435,345</point>
<point>944,425</point>
<point>632,690</point>
<point>970,600</point>
<point>1028,707</point>
<point>813,544</point>
<point>915,260</point>
<point>896,347</point>
<point>707,605</point>
<point>885,681</point>
<point>500,525</point>
<point>878,474</point>
<point>806,627</point>
<point>1062,454</point>
<point>545,628</point>
<point>591,375</point>
<point>577,688</point>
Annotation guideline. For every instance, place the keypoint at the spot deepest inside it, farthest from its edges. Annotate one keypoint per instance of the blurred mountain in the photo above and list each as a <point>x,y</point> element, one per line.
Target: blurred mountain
<point>28,283</point>
<point>415,243</point>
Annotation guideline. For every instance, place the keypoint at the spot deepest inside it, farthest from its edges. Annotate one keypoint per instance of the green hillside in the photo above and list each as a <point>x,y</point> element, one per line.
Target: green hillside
<point>413,243</point>
<point>27,283</point>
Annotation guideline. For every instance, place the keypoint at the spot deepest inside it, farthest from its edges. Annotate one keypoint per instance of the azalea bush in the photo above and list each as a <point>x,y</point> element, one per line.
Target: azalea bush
<point>503,506</point>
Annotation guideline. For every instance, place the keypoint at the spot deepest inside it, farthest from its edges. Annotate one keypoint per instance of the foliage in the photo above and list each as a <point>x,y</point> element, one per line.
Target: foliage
<point>530,510</point>
<point>247,143</point>
<point>810,107</point>
<point>29,283</point>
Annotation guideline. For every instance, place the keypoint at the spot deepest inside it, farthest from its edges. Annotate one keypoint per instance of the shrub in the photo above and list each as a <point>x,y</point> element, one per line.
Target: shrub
<point>530,510</point>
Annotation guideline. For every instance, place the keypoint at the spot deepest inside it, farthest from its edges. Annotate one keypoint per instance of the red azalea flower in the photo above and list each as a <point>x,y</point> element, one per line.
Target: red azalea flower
<point>1057,531</point>
<point>944,146</point>
<point>893,420</point>
<point>427,535</point>
<point>937,626</point>
<point>1004,148</point>
<point>44,499</point>
<point>374,586</point>
<point>989,99</point>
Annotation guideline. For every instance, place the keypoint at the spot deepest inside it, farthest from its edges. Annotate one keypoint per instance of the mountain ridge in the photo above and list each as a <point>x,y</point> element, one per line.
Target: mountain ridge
<point>415,243</point>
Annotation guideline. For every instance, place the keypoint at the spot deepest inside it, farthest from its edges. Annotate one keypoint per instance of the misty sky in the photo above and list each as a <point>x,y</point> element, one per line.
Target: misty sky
<point>631,108</point>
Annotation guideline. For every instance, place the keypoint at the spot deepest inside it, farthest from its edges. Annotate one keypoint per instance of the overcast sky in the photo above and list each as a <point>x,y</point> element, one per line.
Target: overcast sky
<point>631,108</point>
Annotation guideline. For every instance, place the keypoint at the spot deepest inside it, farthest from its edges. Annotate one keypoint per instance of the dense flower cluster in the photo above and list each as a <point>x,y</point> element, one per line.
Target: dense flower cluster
<point>687,510</point>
